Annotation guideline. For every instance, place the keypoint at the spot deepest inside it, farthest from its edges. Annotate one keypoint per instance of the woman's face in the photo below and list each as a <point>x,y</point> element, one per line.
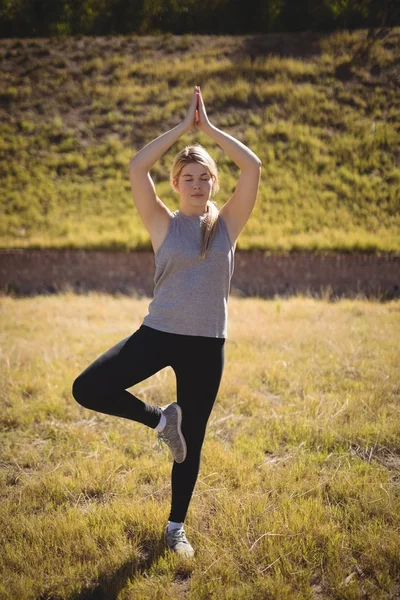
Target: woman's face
<point>195,185</point>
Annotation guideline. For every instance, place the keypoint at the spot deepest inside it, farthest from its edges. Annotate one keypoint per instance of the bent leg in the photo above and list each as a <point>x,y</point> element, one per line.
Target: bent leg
<point>102,385</point>
<point>198,372</point>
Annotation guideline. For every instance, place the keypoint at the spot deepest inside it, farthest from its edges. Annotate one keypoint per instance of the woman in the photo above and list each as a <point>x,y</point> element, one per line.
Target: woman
<point>186,325</point>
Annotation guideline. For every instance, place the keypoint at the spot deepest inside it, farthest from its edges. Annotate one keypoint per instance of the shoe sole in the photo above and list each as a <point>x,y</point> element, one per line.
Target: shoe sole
<point>179,410</point>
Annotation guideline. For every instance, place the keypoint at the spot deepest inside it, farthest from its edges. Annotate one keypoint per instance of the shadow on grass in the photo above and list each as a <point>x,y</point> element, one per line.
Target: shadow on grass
<point>110,585</point>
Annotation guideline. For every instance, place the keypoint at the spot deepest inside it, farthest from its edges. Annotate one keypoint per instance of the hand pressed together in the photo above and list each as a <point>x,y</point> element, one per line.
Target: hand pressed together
<point>197,116</point>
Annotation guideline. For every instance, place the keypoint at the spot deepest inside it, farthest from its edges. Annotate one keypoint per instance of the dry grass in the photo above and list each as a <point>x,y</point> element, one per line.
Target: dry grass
<point>297,495</point>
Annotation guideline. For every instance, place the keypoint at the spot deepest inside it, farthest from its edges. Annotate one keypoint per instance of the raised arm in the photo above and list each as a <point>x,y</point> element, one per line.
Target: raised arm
<point>152,211</point>
<point>237,210</point>
<point>149,155</point>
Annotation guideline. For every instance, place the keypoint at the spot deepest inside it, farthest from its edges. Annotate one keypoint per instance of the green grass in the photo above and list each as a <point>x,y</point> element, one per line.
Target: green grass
<point>75,111</point>
<point>298,491</point>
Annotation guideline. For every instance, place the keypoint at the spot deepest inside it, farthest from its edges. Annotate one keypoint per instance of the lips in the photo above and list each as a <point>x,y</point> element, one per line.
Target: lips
<point>197,195</point>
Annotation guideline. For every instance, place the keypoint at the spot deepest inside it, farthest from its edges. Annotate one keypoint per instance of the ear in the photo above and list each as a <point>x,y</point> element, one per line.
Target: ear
<point>175,184</point>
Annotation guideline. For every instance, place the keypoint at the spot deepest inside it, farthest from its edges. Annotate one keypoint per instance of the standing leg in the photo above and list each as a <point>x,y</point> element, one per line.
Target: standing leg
<point>102,385</point>
<point>198,364</point>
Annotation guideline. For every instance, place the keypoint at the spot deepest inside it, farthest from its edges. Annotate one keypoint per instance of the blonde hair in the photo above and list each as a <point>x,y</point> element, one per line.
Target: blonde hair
<point>198,154</point>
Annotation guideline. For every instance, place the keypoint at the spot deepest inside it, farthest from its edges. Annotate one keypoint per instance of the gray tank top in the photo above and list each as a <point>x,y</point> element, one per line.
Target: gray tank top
<point>190,294</point>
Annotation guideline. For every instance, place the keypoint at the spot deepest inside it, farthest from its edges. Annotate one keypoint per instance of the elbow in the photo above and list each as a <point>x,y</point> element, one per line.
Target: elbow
<point>133,162</point>
<point>255,164</point>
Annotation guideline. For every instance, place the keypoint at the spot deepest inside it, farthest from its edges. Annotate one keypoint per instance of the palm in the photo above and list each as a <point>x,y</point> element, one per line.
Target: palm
<point>201,120</point>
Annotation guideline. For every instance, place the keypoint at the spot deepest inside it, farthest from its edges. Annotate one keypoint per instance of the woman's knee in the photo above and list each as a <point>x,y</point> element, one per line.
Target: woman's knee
<point>81,392</point>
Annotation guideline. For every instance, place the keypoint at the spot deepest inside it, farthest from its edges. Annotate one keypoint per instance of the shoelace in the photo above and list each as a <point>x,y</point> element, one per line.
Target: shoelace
<point>162,438</point>
<point>178,535</point>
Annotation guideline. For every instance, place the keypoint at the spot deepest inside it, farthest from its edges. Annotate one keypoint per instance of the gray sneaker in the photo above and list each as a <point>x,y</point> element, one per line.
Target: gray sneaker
<point>172,433</point>
<point>177,542</point>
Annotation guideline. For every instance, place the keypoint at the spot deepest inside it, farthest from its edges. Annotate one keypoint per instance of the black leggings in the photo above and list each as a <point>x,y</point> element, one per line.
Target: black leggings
<point>198,363</point>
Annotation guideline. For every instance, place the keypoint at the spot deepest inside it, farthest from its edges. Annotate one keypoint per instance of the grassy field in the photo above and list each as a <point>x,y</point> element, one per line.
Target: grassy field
<point>298,492</point>
<point>73,112</point>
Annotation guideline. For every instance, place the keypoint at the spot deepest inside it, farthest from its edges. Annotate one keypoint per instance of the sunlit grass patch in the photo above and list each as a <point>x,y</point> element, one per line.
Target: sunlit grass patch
<point>297,494</point>
<point>330,181</point>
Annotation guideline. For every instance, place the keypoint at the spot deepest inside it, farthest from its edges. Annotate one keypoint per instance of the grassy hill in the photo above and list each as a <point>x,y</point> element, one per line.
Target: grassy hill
<point>73,111</point>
